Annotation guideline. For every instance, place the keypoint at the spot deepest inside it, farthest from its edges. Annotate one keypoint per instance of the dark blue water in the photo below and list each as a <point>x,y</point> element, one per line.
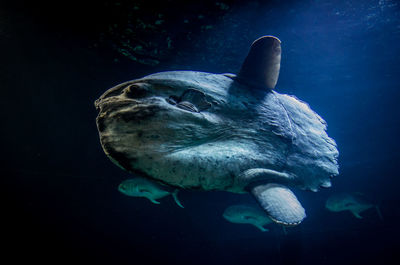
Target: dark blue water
<point>62,203</point>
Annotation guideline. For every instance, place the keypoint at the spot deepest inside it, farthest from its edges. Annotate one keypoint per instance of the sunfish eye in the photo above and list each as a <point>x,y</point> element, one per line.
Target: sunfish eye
<point>197,98</point>
<point>137,90</point>
<point>187,106</point>
<point>191,100</point>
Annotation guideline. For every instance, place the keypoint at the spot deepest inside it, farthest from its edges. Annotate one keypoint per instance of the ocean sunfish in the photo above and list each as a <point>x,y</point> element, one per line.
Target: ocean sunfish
<point>247,214</point>
<point>353,202</point>
<point>221,132</point>
<point>141,187</point>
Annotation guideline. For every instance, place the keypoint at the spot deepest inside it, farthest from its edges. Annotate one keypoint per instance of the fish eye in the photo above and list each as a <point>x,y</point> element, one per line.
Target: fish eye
<point>197,98</point>
<point>187,106</point>
<point>191,100</point>
<point>137,90</point>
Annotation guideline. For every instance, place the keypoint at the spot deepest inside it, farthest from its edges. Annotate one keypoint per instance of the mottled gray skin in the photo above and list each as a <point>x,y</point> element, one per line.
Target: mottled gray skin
<point>197,130</point>
<point>243,129</point>
<point>247,214</point>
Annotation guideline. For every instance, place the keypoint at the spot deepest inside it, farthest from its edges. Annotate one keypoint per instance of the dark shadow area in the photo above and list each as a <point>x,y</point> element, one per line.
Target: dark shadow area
<point>61,199</point>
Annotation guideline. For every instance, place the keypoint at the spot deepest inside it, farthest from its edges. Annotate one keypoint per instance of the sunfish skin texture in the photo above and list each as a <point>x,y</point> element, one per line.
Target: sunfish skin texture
<point>146,128</point>
<point>247,214</point>
<point>141,187</point>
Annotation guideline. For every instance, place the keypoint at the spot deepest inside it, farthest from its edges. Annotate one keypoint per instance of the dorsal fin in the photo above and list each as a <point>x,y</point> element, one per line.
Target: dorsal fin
<point>262,64</point>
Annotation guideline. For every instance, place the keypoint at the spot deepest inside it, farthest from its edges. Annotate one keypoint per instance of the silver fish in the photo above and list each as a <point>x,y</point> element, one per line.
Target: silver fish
<point>353,202</point>
<point>247,214</point>
<point>141,187</point>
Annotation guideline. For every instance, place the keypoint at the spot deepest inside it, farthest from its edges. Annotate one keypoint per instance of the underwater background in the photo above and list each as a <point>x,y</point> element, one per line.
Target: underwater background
<point>61,198</point>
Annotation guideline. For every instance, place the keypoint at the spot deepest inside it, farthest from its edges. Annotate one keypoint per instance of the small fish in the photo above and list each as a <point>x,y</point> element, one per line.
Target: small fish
<point>353,202</point>
<point>141,187</point>
<point>247,214</point>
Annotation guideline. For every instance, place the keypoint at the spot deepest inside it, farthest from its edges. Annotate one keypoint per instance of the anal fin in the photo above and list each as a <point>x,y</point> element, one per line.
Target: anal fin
<point>280,203</point>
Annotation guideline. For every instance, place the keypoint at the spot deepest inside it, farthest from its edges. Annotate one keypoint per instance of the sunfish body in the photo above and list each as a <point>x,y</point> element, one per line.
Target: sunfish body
<point>353,202</point>
<point>204,131</point>
<point>141,187</point>
<point>247,214</point>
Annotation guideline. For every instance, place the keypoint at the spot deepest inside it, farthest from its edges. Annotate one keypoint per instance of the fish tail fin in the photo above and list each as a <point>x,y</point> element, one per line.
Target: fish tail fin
<point>175,196</point>
<point>378,211</point>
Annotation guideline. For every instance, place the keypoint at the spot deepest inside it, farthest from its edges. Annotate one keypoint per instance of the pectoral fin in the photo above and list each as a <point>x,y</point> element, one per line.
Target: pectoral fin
<point>280,203</point>
<point>263,229</point>
<point>356,214</point>
<point>175,196</point>
<point>154,201</point>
